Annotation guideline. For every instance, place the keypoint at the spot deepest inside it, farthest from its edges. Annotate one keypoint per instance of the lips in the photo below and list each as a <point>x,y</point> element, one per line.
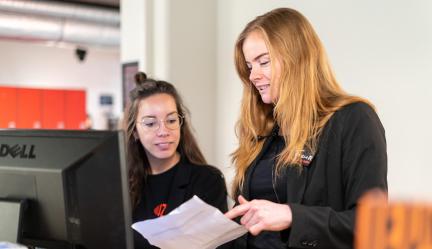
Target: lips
<point>262,87</point>
<point>163,145</point>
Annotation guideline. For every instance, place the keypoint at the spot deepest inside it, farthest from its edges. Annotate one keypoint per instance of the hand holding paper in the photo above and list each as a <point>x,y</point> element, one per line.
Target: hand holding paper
<point>194,224</point>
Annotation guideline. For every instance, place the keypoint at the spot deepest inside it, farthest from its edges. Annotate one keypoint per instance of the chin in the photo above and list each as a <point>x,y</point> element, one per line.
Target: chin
<point>165,155</point>
<point>266,99</point>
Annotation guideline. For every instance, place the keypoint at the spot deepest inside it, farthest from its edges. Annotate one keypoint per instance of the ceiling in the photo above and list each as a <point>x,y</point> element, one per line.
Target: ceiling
<point>100,3</point>
<point>89,23</point>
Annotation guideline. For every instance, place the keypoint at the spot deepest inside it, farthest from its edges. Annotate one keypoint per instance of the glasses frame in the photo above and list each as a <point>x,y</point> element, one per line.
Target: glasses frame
<point>159,121</point>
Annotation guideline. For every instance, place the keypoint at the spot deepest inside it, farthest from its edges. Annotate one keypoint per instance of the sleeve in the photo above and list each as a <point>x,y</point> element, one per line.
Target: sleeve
<point>363,160</point>
<point>211,188</point>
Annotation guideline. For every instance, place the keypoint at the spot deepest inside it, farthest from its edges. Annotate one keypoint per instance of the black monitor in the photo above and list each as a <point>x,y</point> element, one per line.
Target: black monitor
<point>74,184</point>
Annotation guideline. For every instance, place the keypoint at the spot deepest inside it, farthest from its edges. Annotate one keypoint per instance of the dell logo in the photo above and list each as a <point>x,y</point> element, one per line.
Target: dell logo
<point>24,151</point>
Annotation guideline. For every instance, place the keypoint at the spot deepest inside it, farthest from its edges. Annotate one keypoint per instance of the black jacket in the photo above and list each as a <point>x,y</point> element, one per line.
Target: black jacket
<point>207,182</point>
<point>351,159</point>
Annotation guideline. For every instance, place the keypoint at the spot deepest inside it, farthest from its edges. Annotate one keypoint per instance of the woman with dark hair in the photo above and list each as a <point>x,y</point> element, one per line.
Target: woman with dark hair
<point>166,166</point>
<point>307,149</point>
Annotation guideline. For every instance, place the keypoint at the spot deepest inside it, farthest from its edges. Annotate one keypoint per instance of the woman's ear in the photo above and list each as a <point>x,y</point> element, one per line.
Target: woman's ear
<point>136,137</point>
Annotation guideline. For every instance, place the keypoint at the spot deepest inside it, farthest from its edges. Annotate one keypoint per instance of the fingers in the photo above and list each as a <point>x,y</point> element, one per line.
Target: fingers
<point>252,221</point>
<point>247,217</point>
<point>256,229</point>
<point>242,200</point>
<point>260,215</point>
<point>238,210</point>
<point>235,212</point>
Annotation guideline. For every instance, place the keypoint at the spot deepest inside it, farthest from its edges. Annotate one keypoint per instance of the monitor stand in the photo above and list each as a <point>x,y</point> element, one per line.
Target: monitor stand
<point>11,219</point>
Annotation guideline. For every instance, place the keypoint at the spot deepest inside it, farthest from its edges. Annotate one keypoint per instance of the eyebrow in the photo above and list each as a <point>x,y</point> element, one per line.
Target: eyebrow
<point>258,56</point>
<point>153,116</point>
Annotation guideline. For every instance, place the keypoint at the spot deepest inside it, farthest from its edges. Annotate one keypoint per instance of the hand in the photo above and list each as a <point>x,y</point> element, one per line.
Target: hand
<point>260,215</point>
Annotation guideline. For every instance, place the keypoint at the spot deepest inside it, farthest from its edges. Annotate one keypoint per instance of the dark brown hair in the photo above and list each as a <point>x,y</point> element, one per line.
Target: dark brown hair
<point>138,164</point>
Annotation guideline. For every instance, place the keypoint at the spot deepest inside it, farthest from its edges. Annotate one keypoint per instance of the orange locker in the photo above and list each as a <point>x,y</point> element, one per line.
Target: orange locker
<point>53,109</point>
<point>29,108</point>
<point>392,224</point>
<point>75,109</point>
<point>8,106</point>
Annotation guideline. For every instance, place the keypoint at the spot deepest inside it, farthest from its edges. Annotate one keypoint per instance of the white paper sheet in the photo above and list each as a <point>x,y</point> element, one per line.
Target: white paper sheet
<point>8,245</point>
<point>193,225</point>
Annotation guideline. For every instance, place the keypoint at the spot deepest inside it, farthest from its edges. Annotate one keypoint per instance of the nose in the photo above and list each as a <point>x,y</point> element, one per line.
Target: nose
<point>255,73</point>
<point>162,130</point>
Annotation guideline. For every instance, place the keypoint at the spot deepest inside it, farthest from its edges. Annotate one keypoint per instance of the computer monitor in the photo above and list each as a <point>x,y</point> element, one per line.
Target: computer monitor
<point>75,186</point>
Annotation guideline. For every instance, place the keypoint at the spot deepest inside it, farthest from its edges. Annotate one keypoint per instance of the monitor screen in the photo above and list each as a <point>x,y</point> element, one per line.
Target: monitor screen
<point>75,186</point>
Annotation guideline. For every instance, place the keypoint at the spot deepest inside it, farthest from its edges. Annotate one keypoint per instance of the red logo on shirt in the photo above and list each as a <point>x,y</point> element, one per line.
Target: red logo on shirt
<point>159,210</point>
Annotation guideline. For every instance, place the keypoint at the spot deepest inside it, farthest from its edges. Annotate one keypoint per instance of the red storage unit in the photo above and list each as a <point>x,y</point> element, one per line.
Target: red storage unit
<point>29,108</point>
<point>8,107</point>
<point>75,109</point>
<point>53,109</point>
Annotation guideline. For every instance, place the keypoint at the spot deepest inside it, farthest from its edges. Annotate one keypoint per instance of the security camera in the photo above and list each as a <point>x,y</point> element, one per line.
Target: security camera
<point>81,54</point>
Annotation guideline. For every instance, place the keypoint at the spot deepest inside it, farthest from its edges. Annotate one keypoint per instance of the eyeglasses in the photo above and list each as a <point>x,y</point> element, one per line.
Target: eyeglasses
<point>172,122</point>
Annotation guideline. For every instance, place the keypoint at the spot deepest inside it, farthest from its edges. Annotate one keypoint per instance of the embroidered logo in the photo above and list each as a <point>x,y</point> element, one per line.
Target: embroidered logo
<point>159,210</point>
<point>306,158</point>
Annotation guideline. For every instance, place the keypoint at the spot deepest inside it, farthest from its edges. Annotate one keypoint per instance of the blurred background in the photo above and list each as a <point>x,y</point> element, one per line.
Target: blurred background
<point>68,65</point>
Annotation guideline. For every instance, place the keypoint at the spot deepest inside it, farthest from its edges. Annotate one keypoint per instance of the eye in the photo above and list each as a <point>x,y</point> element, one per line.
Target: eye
<point>149,123</point>
<point>264,62</point>
<point>249,66</point>
<point>172,120</point>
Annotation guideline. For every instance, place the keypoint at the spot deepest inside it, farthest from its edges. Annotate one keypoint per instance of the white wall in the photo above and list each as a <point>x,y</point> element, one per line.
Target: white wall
<point>29,64</point>
<point>192,64</point>
<point>177,43</point>
<point>381,50</point>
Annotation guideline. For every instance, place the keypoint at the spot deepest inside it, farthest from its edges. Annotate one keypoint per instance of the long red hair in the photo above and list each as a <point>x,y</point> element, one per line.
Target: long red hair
<point>308,91</point>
